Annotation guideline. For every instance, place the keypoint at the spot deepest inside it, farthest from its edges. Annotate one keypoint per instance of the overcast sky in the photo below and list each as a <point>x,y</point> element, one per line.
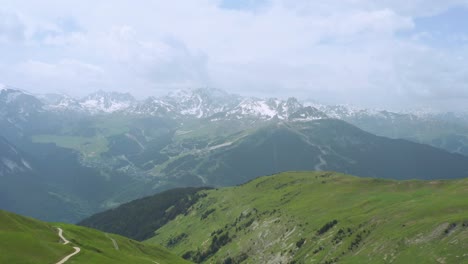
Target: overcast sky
<point>386,53</point>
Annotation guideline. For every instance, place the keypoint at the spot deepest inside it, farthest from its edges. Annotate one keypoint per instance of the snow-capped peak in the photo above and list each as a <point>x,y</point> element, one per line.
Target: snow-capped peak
<point>9,95</point>
<point>61,102</point>
<point>201,102</point>
<point>152,106</point>
<point>344,111</point>
<point>255,107</point>
<point>107,102</point>
<point>274,108</point>
<point>307,113</point>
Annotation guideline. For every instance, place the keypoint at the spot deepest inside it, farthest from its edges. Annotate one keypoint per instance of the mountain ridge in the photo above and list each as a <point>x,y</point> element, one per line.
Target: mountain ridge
<point>206,102</point>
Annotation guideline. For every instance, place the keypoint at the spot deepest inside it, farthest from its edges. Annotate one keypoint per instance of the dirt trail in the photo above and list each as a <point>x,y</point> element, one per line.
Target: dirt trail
<point>65,241</point>
<point>116,246</point>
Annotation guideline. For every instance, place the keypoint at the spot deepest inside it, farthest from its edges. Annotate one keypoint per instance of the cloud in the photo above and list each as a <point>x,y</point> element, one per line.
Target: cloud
<point>354,51</point>
<point>410,8</point>
<point>64,68</point>
<point>166,61</point>
<point>57,76</point>
<point>446,72</point>
<point>12,28</point>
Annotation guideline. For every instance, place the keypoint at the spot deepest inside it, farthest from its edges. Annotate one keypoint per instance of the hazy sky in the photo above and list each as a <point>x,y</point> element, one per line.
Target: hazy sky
<point>386,53</point>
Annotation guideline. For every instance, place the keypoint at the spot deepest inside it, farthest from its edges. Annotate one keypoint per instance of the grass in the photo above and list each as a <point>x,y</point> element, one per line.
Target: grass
<point>97,247</point>
<point>90,147</point>
<point>277,218</point>
<point>25,240</point>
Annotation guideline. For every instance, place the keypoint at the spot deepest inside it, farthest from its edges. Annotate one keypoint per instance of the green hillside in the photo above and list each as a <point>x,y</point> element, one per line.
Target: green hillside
<point>323,217</point>
<point>25,240</point>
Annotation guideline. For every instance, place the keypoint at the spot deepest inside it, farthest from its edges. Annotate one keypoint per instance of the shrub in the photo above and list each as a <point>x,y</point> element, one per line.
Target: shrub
<point>327,227</point>
<point>300,242</point>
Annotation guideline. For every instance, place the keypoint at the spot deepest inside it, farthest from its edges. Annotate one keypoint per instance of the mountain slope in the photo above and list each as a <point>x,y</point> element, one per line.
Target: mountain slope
<point>139,218</point>
<point>50,184</point>
<point>447,131</point>
<point>18,111</point>
<point>26,240</point>
<point>324,217</point>
<point>23,188</point>
<point>316,145</point>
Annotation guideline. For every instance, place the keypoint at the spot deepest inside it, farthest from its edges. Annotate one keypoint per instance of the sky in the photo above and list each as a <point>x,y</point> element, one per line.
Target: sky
<point>393,54</point>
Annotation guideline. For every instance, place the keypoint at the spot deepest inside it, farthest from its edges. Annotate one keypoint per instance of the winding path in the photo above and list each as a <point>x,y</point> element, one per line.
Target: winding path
<point>65,241</point>
<point>116,246</point>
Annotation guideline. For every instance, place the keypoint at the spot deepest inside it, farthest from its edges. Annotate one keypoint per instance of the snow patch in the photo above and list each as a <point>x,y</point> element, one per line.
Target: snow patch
<point>11,165</point>
<point>117,106</point>
<point>12,95</point>
<point>99,105</point>
<point>253,107</point>
<point>304,118</point>
<point>199,106</point>
<point>26,164</point>
<point>93,104</point>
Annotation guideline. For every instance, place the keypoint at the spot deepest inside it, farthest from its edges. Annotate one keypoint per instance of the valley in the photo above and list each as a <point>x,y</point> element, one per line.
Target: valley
<point>109,148</point>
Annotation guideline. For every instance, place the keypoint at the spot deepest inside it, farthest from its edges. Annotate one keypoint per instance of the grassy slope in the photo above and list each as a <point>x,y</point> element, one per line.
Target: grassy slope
<point>26,240</point>
<point>382,221</point>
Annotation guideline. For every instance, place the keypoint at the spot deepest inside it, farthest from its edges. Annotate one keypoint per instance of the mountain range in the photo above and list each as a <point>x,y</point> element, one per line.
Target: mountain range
<point>444,130</point>
<point>108,148</point>
<point>197,103</point>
